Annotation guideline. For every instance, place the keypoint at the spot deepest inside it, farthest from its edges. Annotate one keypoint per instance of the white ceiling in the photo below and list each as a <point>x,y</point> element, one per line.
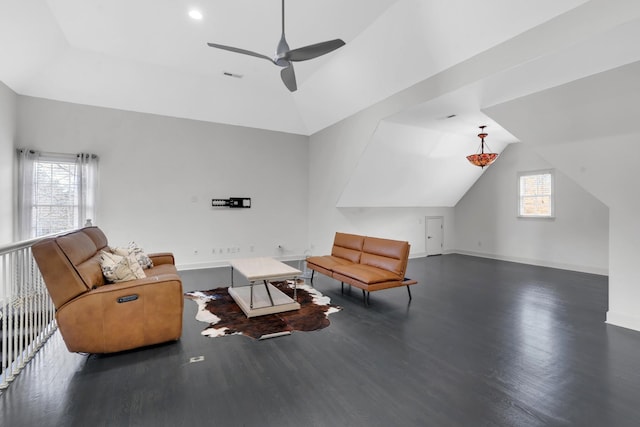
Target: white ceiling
<point>575,77</point>
<point>149,56</point>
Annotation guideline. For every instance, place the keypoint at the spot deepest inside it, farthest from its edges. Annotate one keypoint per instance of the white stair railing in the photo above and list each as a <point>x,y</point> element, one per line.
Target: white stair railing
<point>27,314</point>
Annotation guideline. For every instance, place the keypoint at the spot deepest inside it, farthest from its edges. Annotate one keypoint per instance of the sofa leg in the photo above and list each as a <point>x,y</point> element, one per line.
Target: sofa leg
<point>342,288</point>
<point>365,297</point>
<point>409,290</point>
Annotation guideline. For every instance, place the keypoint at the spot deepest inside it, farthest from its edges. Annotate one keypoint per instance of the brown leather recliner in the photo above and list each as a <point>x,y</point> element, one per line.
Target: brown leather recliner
<point>96,317</point>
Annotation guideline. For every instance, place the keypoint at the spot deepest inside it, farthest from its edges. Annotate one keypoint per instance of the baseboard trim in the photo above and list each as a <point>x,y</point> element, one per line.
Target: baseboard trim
<point>540,263</point>
<point>623,320</point>
<point>424,254</point>
<point>202,265</point>
<point>225,262</point>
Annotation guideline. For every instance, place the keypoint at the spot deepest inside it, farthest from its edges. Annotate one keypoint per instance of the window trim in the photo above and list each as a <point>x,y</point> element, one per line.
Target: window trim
<point>550,172</point>
<point>86,187</point>
<point>56,159</point>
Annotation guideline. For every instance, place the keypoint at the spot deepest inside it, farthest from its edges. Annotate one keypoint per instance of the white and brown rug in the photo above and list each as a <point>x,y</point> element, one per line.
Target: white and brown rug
<point>217,308</point>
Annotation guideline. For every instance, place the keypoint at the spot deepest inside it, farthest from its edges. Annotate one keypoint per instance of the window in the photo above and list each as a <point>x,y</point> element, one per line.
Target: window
<point>57,192</point>
<point>535,194</point>
<point>55,202</point>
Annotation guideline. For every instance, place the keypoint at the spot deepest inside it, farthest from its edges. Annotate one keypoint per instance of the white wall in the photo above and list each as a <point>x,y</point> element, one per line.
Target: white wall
<point>335,151</point>
<point>487,223</point>
<point>391,223</point>
<point>613,178</point>
<point>333,155</point>
<point>7,161</point>
<point>159,174</point>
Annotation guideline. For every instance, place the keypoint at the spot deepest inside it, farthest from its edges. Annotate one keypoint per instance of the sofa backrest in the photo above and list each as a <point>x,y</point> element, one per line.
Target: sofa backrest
<point>70,264</point>
<point>347,246</point>
<point>391,255</point>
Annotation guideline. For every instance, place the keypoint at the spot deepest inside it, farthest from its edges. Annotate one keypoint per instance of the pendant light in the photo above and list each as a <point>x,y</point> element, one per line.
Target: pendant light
<point>482,159</point>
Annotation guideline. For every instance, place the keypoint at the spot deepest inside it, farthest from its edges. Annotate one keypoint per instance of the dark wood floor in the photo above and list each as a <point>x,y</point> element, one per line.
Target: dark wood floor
<point>483,343</point>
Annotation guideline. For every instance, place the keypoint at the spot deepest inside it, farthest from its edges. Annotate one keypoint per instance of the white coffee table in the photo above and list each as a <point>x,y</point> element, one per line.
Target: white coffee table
<point>267,299</point>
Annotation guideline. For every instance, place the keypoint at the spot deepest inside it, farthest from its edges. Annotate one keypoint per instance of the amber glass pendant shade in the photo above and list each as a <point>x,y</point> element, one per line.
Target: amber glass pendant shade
<point>482,159</point>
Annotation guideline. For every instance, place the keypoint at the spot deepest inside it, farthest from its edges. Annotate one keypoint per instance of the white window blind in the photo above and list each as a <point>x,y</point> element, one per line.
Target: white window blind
<point>55,204</point>
<point>536,194</point>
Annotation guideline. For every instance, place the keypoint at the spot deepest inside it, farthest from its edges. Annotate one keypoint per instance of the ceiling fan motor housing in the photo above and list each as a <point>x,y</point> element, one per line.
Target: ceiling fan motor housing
<point>281,52</point>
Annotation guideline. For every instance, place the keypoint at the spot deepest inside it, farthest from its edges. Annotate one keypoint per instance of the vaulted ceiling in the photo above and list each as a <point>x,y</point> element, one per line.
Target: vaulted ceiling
<point>150,56</point>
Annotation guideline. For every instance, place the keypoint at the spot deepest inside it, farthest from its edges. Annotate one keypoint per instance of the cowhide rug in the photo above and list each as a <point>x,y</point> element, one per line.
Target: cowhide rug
<point>217,308</point>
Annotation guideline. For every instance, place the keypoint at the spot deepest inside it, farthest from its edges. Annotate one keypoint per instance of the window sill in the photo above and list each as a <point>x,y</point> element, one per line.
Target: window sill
<point>536,217</point>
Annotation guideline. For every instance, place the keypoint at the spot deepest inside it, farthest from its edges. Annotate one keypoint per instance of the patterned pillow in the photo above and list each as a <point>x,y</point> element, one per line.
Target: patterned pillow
<point>143,259</point>
<point>116,268</point>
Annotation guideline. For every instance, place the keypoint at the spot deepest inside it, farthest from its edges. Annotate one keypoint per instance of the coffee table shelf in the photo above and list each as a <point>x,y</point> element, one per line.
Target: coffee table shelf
<point>261,300</point>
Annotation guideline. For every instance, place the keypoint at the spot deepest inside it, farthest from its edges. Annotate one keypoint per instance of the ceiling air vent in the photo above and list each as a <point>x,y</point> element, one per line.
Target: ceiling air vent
<point>228,74</point>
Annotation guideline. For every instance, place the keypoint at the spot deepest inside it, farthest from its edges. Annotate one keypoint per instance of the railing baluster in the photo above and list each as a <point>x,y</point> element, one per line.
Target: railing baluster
<point>27,313</point>
<point>12,318</point>
<point>20,302</point>
<point>4,357</point>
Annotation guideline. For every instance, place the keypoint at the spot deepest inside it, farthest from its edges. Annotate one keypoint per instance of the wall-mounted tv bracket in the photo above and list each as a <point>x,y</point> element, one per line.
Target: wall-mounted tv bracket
<point>232,202</point>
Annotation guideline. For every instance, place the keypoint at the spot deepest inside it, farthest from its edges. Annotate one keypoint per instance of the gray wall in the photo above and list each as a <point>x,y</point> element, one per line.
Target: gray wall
<point>158,176</point>
<point>578,239</point>
<point>7,161</point>
<point>612,178</point>
<point>334,154</point>
<point>487,223</point>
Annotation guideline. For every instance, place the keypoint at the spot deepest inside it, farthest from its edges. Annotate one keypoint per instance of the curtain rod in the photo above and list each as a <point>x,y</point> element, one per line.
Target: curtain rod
<point>45,154</point>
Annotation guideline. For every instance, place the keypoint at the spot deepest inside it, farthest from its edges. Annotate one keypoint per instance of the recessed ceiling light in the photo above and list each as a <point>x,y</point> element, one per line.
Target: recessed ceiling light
<point>195,14</point>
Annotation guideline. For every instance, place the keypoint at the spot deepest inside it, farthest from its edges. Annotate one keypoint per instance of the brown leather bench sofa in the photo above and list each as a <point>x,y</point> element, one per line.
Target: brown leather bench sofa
<point>368,263</point>
<point>96,317</point>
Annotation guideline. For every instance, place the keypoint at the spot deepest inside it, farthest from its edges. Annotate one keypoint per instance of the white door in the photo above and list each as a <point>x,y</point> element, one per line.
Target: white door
<point>435,233</point>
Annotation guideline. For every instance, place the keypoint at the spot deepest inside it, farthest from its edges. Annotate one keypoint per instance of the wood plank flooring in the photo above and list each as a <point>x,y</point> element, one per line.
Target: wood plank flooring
<point>483,343</point>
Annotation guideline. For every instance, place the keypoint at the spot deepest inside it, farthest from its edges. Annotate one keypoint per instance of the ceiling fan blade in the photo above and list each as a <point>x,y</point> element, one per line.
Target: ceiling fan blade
<point>314,50</point>
<point>238,50</point>
<point>289,78</point>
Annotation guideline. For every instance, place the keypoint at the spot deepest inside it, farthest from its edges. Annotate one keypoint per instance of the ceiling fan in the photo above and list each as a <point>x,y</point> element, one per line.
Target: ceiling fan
<point>284,56</point>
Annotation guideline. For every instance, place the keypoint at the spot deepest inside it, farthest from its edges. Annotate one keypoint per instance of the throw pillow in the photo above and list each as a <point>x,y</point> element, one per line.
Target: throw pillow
<point>116,268</point>
<point>143,259</point>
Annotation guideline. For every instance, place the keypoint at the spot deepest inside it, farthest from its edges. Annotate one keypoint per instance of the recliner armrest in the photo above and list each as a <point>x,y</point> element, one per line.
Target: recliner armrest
<point>114,287</point>
<point>162,258</point>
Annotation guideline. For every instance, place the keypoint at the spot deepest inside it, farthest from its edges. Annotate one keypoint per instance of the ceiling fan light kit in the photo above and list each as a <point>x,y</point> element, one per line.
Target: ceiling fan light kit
<point>285,57</point>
